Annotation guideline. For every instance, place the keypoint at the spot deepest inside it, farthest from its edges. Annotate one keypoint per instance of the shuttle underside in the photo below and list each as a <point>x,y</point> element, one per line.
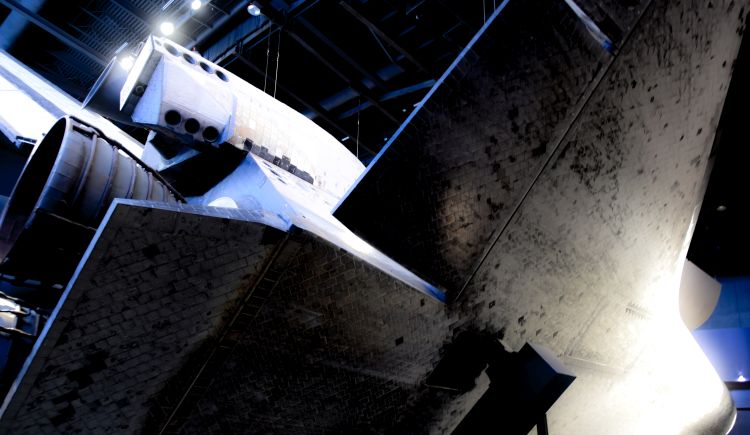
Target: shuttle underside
<point>247,271</point>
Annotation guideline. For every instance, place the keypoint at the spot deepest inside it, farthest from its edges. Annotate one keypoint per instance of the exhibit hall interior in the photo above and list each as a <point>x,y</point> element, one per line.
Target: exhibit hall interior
<point>374,217</point>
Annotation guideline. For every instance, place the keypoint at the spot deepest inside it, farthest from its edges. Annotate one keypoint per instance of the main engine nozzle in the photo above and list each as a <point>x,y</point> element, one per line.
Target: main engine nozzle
<point>63,193</point>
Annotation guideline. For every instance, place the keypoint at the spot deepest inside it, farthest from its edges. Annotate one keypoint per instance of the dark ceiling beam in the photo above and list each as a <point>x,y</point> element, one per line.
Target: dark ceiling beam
<point>282,20</point>
<point>200,22</point>
<point>353,12</point>
<point>313,107</point>
<point>129,8</point>
<point>107,21</point>
<point>358,87</point>
<point>57,32</point>
<point>448,39</point>
<point>221,10</point>
<point>91,15</point>
<point>69,60</point>
<point>222,49</point>
<point>64,82</point>
<point>390,96</point>
<point>14,24</point>
<point>218,24</point>
<point>407,90</point>
<point>89,34</point>
<point>341,53</point>
<point>459,16</point>
<point>736,385</point>
<point>411,8</point>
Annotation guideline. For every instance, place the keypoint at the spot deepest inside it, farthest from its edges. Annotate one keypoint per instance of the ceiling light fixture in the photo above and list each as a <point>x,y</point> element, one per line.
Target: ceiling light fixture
<point>126,62</point>
<point>167,28</point>
<point>253,10</point>
<point>196,4</point>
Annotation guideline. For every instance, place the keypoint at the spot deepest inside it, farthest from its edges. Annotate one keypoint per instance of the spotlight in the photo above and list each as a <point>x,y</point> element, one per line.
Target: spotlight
<point>253,10</point>
<point>196,4</point>
<point>126,62</point>
<point>167,28</point>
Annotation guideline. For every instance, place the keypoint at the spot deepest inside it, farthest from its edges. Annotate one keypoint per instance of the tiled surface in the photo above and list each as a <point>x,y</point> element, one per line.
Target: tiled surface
<point>475,147</point>
<point>337,347</point>
<point>156,286</point>
<point>342,349</point>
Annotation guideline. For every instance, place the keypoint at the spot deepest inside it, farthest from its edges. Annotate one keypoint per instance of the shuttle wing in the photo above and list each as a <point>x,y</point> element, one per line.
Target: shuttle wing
<point>543,205</point>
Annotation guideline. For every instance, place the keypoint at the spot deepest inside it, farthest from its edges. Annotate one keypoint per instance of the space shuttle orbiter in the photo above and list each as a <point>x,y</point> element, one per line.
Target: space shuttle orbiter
<point>220,146</point>
<point>292,168</point>
<point>215,139</point>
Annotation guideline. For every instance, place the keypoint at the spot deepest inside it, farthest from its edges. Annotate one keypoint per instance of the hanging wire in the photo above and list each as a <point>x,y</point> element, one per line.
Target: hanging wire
<point>359,102</point>
<point>268,55</point>
<point>278,55</point>
<point>484,11</point>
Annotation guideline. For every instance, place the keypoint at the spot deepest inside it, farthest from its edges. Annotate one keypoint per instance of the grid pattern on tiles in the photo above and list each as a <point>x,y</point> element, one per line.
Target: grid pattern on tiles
<point>156,288</point>
<point>339,348</point>
<point>474,148</point>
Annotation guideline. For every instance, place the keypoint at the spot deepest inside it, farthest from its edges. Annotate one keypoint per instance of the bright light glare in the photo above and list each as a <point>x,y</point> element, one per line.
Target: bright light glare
<point>223,202</point>
<point>167,28</point>
<point>253,10</point>
<point>741,378</point>
<point>126,62</point>
<point>671,387</point>
<point>196,4</point>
